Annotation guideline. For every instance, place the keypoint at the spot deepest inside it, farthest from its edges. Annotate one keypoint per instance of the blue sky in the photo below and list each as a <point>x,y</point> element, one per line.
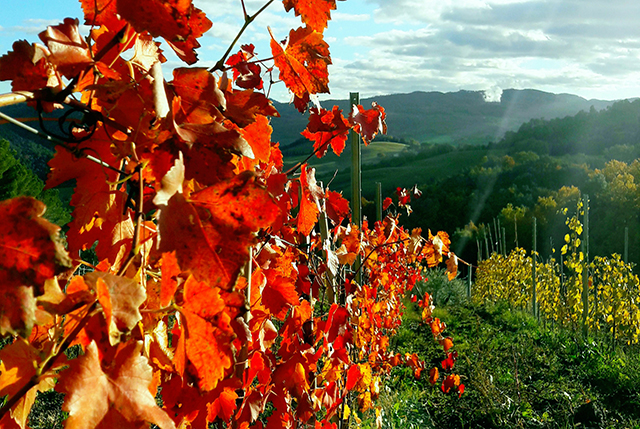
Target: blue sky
<point>586,47</point>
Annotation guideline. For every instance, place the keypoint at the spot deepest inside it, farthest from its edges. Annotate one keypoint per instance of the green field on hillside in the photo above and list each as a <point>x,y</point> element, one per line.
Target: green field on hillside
<point>394,165</point>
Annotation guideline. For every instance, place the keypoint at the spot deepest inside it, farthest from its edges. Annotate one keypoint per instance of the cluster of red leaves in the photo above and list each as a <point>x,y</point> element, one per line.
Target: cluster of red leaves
<point>450,381</point>
<point>223,282</point>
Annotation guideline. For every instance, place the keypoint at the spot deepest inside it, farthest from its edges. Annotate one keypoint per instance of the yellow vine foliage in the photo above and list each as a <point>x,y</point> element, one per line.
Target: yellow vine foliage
<point>614,290</point>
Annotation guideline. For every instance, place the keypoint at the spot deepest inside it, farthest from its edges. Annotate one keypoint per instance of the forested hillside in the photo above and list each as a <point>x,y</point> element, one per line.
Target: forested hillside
<point>541,168</point>
<point>16,179</point>
<point>33,152</point>
<point>462,117</point>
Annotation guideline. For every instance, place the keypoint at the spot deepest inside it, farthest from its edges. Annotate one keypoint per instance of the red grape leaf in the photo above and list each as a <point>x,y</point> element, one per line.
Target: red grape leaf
<point>170,272</point>
<point>449,362</point>
<point>177,21</point>
<point>99,12</point>
<point>197,87</point>
<point>433,375</point>
<point>18,366</point>
<point>403,197</point>
<point>31,252</point>
<point>209,334</point>
<point>279,294</point>
<point>69,51</point>
<point>245,74</point>
<point>452,266</point>
<point>96,202</point>
<point>301,103</point>
<point>27,67</point>
<point>314,13</point>
<point>327,127</point>
<point>243,107</point>
<point>337,206</point>
<point>212,136</point>
<point>258,135</point>
<point>460,390</point>
<point>223,406</point>
<point>309,203</point>
<point>124,296</point>
<point>303,62</point>
<point>387,202</point>
<point>370,122</point>
<point>450,382</point>
<point>353,376</point>
<point>337,321</point>
<point>120,393</point>
<point>212,233</point>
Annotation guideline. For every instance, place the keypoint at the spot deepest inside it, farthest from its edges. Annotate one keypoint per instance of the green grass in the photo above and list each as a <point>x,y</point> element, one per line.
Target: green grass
<point>517,375</point>
<point>396,169</point>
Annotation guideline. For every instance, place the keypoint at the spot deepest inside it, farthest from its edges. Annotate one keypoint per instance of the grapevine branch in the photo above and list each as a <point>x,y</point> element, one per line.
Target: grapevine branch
<point>248,19</point>
<point>295,168</point>
<point>56,141</point>
<point>48,363</point>
<point>139,216</point>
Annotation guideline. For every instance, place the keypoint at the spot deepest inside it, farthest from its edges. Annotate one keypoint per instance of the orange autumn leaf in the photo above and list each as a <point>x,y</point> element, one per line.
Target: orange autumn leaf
<point>452,266</point>
<point>311,193</point>
<point>433,375</point>
<point>177,21</point>
<point>69,51</point>
<point>353,376</point>
<point>327,127</point>
<point>120,298</point>
<point>447,343</point>
<point>223,406</point>
<point>245,107</point>
<point>369,122</point>
<point>279,295</point>
<point>198,89</point>
<point>118,393</point>
<point>99,12</point>
<point>208,333</point>
<point>220,217</point>
<point>258,135</point>
<point>28,68</point>
<point>31,252</point>
<point>303,60</point>
<point>437,327</point>
<point>18,364</point>
<point>314,13</point>
<point>169,282</point>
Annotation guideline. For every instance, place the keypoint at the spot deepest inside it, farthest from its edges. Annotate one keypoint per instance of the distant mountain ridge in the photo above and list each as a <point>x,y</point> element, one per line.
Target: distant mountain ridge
<point>437,117</point>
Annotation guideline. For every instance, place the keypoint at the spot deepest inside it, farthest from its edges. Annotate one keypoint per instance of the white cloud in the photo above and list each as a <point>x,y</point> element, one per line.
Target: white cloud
<point>587,47</point>
<point>339,16</point>
<point>577,46</point>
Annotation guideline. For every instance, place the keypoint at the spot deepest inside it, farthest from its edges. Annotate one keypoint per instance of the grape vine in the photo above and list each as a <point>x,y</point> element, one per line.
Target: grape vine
<point>614,290</point>
<point>225,283</point>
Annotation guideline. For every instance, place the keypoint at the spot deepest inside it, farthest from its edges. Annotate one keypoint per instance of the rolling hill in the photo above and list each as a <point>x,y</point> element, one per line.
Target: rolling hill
<point>454,117</point>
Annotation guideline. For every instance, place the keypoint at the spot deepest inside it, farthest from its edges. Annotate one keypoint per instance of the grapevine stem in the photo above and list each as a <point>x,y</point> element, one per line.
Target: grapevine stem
<point>247,21</point>
<point>158,310</point>
<point>293,169</point>
<point>244,9</point>
<point>139,215</point>
<point>48,363</point>
<point>55,141</point>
